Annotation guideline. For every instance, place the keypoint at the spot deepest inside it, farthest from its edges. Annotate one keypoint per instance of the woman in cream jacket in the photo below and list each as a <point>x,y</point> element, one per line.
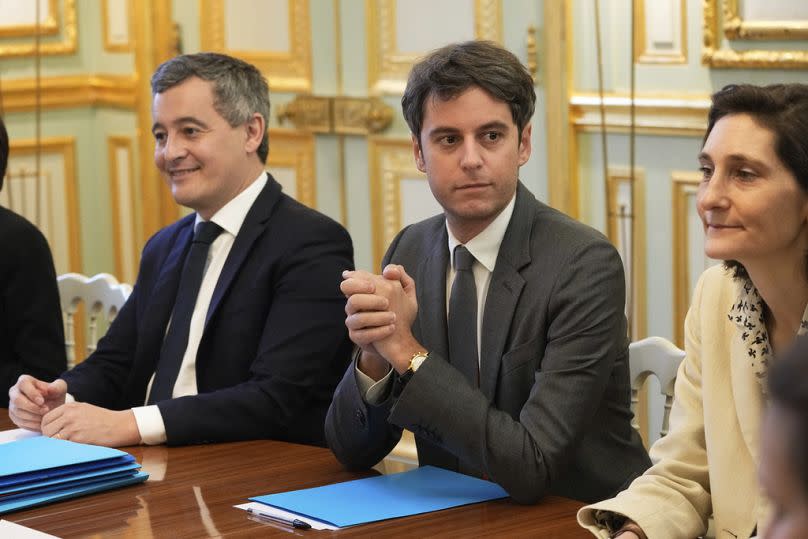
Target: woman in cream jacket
<point>753,202</point>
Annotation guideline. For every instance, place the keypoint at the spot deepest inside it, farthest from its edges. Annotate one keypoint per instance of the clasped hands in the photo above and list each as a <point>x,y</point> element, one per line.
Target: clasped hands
<point>40,406</point>
<point>380,312</point>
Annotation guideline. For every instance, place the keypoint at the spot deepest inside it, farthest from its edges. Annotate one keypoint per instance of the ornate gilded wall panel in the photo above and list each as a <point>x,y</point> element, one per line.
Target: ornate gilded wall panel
<point>19,37</point>
<point>654,115</point>
<point>689,260</point>
<point>69,91</point>
<point>400,194</point>
<point>291,161</point>
<point>286,70</point>
<point>660,32</point>
<point>47,199</point>
<point>116,23</point>
<point>20,18</point>
<point>716,52</point>
<point>388,66</point>
<point>790,26</point>
<point>625,227</point>
<point>121,159</point>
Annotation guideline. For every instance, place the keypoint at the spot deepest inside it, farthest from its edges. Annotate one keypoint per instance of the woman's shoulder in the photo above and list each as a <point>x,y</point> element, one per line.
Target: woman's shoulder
<point>716,286</point>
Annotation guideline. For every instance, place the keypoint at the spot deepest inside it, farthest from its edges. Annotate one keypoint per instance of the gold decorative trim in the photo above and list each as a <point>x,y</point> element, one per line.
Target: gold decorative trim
<point>713,55</point>
<point>285,71</point>
<point>295,150</point>
<point>66,147</point>
<point>308,113</point>
<point>387,66</point>
<point>635,294</point>
<point>155,42</point>
<point>654,115</point>
<point>532,53</point>
<point>114,143</point>
<point>685,186</point>
<point>390,162</point>
<point>562,171</point>
<point>341,115</point>
<point>737,28</point>
<point>49,26</point>
<point>66,46</point>
<point>70,91</point>
<point>361,116</point>
<point>641,53</point>
<point>108,45</point>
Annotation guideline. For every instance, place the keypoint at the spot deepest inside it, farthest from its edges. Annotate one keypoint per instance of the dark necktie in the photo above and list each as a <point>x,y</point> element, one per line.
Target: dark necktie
<point>463,317</point>
<point>176,339</point>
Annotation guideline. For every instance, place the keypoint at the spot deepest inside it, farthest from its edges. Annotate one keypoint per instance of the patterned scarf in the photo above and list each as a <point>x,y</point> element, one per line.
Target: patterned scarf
<point>747,314</point>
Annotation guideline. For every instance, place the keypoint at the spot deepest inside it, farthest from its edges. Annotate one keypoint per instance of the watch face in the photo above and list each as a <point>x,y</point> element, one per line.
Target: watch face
<point>416,362</point>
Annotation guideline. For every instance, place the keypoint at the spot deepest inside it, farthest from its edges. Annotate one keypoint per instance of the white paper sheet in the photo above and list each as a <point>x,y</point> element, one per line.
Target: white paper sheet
<point>9,529</point>
<point>16,434</point>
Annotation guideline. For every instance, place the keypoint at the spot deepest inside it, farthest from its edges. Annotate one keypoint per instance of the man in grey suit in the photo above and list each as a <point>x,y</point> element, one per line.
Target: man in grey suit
<point>527,382</point>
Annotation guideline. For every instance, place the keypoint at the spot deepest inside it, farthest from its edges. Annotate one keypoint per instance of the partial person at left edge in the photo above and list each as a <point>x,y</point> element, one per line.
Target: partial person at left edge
<point>235,327</point>
<point>31,334</point>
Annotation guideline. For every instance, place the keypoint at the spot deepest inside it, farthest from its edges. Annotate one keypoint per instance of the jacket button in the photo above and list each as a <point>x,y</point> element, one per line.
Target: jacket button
<point>360,416</point>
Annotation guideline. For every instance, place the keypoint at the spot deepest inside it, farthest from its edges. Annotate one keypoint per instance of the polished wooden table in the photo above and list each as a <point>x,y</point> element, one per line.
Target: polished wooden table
<point>192,490</point>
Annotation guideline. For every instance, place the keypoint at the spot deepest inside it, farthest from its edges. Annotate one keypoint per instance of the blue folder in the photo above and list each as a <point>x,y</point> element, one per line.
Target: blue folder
<point>69,480</point>
<point>72,492</point>
<point>35,471</point>
<point>417,491</point>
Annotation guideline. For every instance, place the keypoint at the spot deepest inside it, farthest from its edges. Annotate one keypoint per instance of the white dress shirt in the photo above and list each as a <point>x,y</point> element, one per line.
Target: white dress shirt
<point>230,217</point>
<point>485,249</point>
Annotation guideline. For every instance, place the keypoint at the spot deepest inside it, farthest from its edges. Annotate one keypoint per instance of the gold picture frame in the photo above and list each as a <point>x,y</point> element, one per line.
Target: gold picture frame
<point>716,54</point>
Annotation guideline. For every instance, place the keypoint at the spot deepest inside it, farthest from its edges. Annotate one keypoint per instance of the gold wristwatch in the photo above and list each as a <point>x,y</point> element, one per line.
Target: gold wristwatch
<point>416,360</point>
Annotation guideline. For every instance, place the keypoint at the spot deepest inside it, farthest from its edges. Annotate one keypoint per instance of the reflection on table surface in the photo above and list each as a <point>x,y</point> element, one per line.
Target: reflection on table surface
<point>191,492</point>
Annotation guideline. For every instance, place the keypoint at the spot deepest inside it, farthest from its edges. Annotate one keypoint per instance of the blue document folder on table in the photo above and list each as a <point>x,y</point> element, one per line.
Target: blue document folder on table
<point>35,471</point>
<point>421,490</point>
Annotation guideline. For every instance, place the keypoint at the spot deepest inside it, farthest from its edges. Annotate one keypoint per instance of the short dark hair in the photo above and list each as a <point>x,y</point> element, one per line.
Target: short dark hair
<point>239,88</point>
<point>3,152</point>
<point>449,71</point>
<point>788,389</point>
<point>783,110</point>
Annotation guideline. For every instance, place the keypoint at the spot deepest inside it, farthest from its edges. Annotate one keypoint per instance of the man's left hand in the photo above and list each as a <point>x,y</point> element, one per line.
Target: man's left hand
<point>88,424</point>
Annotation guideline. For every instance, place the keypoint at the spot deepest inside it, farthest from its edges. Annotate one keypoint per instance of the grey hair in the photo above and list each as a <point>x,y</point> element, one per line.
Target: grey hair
<point>239,89</point>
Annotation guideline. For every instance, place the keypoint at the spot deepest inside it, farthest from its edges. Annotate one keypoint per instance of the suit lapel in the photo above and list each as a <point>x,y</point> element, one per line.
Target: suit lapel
<point>253,226</point>
<point>747,395</point>
<point>504,290</point>
<point>432,296</point>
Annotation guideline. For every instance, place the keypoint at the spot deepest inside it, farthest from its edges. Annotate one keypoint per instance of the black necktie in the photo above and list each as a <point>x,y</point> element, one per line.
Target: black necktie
<point>176,340</point>
<point>463,318</point>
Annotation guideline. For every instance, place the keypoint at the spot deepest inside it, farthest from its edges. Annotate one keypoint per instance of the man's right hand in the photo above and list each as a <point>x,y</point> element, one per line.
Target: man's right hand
<point>30,399</point>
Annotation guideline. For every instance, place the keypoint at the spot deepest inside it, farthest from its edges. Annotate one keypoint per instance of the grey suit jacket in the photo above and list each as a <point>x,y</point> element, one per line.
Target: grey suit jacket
<point>551,415</point>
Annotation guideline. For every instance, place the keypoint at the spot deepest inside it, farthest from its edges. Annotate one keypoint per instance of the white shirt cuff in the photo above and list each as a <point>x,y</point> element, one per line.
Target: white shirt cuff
<point>69,398</point>
<point>150,424</point>
<point>373,392</point>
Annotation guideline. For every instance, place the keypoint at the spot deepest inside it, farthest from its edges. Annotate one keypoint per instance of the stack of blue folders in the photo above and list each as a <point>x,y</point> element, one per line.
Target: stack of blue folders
<point>36,471</point>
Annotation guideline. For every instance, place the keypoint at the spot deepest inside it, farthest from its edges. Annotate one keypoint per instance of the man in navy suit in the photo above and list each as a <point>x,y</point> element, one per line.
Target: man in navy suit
<point>256,348</point>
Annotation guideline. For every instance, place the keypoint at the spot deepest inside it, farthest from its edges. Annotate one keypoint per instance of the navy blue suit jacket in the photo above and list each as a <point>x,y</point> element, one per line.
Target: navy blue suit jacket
<point>274,344</point>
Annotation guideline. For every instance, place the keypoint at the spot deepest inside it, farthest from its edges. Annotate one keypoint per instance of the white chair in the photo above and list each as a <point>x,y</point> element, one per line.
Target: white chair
<point>658,357</point>
<point>102,296</point>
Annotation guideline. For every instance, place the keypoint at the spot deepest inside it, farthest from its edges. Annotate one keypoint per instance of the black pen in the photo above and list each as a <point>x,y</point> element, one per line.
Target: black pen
<point>295,523</point>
